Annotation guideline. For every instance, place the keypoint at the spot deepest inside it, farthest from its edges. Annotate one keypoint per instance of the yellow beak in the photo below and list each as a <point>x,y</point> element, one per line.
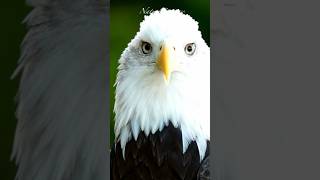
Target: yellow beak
<point>165,61</point>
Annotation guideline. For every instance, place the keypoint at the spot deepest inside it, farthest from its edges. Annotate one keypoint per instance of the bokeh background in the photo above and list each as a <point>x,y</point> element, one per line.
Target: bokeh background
<point>125,18</point>
<point>12,32</point>
<point>124,23</point>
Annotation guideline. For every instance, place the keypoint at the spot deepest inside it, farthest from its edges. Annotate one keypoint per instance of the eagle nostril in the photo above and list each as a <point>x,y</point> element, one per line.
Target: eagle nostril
<point>160,48</point>
<point>174,48</point>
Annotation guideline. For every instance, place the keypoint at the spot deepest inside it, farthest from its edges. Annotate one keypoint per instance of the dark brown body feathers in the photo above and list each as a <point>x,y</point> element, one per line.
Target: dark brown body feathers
<point>158,156</point>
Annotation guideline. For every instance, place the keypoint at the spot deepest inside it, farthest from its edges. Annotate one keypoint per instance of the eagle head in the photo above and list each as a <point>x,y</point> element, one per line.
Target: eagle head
<point>164,76</point>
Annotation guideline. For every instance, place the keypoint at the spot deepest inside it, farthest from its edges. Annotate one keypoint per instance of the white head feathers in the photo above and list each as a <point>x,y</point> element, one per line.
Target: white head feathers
<point>145,101</point>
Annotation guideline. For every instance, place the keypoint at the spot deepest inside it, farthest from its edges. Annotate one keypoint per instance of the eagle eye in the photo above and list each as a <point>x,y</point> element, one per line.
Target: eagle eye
<point>146,47</point>
<point>190,49</point>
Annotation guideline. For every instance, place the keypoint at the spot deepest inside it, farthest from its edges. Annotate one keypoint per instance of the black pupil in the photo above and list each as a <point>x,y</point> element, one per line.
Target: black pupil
<point>147,47</point>
<point>189,48</point>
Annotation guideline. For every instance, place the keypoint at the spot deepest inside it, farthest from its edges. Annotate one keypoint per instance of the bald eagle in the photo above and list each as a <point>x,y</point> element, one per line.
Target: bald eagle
<point>162,102</point>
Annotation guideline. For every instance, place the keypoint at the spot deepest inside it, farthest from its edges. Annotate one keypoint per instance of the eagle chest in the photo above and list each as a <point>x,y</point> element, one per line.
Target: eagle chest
<point>158,156</point>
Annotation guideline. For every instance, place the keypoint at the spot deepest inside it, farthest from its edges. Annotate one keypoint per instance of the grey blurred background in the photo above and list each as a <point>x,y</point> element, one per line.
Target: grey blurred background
<point>266,104</point>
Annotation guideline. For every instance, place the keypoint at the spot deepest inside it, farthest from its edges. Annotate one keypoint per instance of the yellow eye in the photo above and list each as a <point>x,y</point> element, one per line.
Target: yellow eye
<point>190,49</point>
<point>146,48</point>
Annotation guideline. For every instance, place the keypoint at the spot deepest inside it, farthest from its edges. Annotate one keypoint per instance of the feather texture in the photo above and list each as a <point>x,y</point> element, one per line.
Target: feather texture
<point>144,102</point>
<point>158,156</point>
<point>62,99</point>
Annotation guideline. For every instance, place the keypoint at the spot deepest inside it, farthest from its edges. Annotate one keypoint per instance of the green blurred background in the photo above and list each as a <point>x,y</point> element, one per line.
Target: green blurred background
<point>12,31</point>
<point>124,23</point>
<point>125,18</point>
